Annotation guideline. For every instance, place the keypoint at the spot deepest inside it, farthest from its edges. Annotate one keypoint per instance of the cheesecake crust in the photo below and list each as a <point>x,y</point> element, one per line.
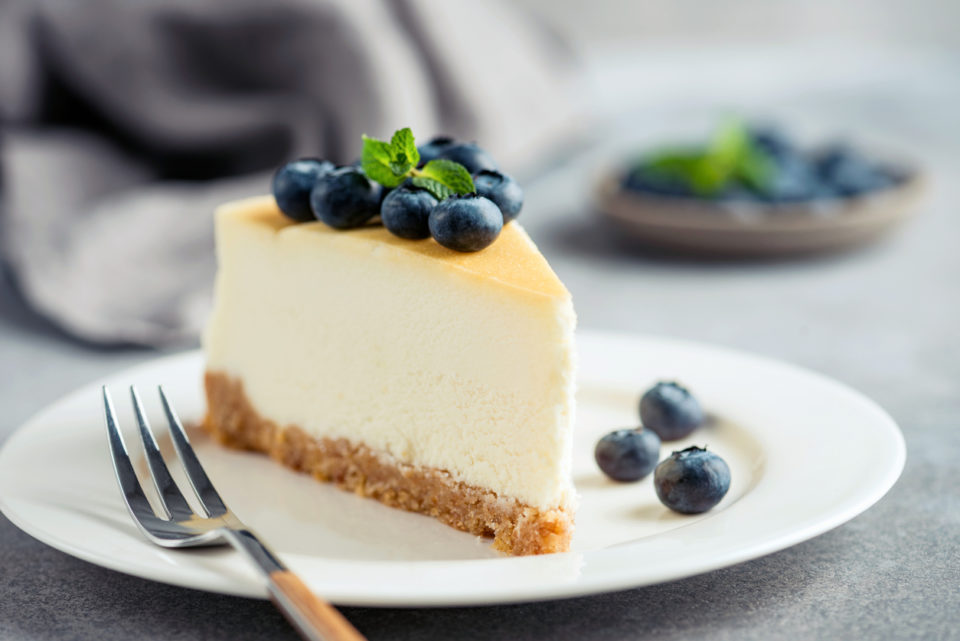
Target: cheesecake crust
<point>516,528</point>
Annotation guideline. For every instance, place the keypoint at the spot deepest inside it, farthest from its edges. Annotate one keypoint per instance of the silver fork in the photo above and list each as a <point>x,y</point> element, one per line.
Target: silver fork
<point>178,526</point>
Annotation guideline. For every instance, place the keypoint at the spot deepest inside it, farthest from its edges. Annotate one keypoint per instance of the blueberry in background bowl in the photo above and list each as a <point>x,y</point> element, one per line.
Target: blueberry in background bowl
<point>849,173</point>
<point>753,192</point>
<point>757,163</point>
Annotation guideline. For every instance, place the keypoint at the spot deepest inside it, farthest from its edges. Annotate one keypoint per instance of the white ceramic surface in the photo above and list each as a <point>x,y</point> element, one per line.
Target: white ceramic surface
<point>806,454</point>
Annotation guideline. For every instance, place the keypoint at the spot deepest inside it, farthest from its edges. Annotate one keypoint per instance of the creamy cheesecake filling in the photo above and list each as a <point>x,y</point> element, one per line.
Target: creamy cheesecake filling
<point>444,364</point>
<point>516,528</point>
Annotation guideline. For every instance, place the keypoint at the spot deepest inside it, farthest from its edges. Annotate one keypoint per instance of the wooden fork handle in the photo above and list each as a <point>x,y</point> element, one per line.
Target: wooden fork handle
<point>313,617</point>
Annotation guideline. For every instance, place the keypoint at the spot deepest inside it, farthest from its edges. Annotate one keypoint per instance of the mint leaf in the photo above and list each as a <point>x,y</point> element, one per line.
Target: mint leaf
<point>403,152</point>
<point>376,162</point>
<point>757,170</point>
<point>730,158</point>
<point>730,144</point>
<point>376,150</point>
<point>391,163</point>
<point>451,174</point>
<point>692,167</point>
<point>435,187</point>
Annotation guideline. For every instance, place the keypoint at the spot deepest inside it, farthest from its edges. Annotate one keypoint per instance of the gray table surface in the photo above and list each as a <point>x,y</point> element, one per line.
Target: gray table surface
<point>883,319</point>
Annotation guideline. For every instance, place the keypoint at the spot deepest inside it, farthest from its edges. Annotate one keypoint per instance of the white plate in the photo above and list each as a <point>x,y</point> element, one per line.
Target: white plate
<point>806,454</point>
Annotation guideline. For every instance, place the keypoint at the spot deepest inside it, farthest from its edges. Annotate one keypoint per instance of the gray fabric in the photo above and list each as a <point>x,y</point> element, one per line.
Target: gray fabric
<point>125,122</point>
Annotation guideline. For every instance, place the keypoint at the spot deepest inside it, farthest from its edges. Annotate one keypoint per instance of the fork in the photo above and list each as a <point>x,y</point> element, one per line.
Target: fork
<point>177,525</point>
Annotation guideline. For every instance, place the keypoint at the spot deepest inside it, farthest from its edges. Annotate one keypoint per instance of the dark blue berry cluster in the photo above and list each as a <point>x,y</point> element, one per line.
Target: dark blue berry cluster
<point>766,167</point>
<point>346,197</point>
<point>689,481</point>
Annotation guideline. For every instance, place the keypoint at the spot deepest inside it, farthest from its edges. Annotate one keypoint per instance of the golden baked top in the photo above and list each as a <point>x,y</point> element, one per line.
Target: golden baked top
<point>513,259</point>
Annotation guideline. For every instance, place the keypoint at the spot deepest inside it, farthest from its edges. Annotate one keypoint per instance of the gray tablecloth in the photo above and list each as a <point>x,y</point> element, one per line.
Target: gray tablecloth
<point>883,319</point>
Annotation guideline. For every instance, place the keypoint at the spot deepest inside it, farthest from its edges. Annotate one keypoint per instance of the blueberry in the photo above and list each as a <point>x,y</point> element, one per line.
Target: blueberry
<point>466,223</point>
<point>659,183</point>
<point>345,198</point>
<point>406,211</point>
<point>292,184</point>
<point>470,156</point>
<point>628,455</point>
<point>502,190</point>
<point>691,481</point>
<point>670,410</point>
<point>432,149</point>
<point>849,173</point>
<point>773,142</point>
<point>794,179</point>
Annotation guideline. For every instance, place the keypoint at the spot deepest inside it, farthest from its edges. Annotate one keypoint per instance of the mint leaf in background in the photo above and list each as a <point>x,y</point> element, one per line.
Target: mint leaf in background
<point>435,187</point>
<point>729,144</point>
<point>403,151</point>
<point>730,158</point>
<point>757,170</point>
<point>450,173</point>
<point>691,167</point>
<point>733,149</point>
<point>375,161</point>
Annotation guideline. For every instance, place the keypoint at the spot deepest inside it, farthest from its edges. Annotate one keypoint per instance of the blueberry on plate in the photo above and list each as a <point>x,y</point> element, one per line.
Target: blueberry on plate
<point>470,156</point>
<point>691,481</point>
<point>628,455</point>
<point>431,149</point>
<point>670,410</point>
<point>345,198</point>
<point>405,211</point>
<point>465,223</point>
<point>292,184</point>
<point>502,190</point>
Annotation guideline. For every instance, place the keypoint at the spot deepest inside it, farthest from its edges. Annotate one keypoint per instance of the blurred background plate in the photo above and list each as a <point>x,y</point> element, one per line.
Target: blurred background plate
<point>750,229</point>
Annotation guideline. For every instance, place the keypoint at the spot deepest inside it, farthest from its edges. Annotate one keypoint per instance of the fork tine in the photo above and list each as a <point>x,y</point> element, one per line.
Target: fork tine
<point>201,484</point>
<point>133,495</point>
<point>170,495</point>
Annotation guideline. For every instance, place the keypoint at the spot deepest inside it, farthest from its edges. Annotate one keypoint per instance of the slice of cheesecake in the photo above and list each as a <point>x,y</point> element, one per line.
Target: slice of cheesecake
<point>431,380</point>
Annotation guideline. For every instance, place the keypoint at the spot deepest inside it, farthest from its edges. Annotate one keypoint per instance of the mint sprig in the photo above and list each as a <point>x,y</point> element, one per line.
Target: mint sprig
<point>405,155</point>
<point>730,157</point>
<point>391,163</point>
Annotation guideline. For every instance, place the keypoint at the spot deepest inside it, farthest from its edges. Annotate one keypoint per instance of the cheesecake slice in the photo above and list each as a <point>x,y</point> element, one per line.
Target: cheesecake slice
<point>431,380</point>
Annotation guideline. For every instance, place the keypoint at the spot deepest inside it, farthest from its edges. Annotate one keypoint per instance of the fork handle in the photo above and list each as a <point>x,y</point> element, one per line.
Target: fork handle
<point>314,618</point>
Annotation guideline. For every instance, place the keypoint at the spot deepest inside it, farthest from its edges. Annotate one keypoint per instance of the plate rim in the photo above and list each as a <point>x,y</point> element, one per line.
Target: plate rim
<point>865,498</point>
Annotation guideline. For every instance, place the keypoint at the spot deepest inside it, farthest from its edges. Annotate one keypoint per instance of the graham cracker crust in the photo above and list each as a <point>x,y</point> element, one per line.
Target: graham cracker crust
<point>516,528</point>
